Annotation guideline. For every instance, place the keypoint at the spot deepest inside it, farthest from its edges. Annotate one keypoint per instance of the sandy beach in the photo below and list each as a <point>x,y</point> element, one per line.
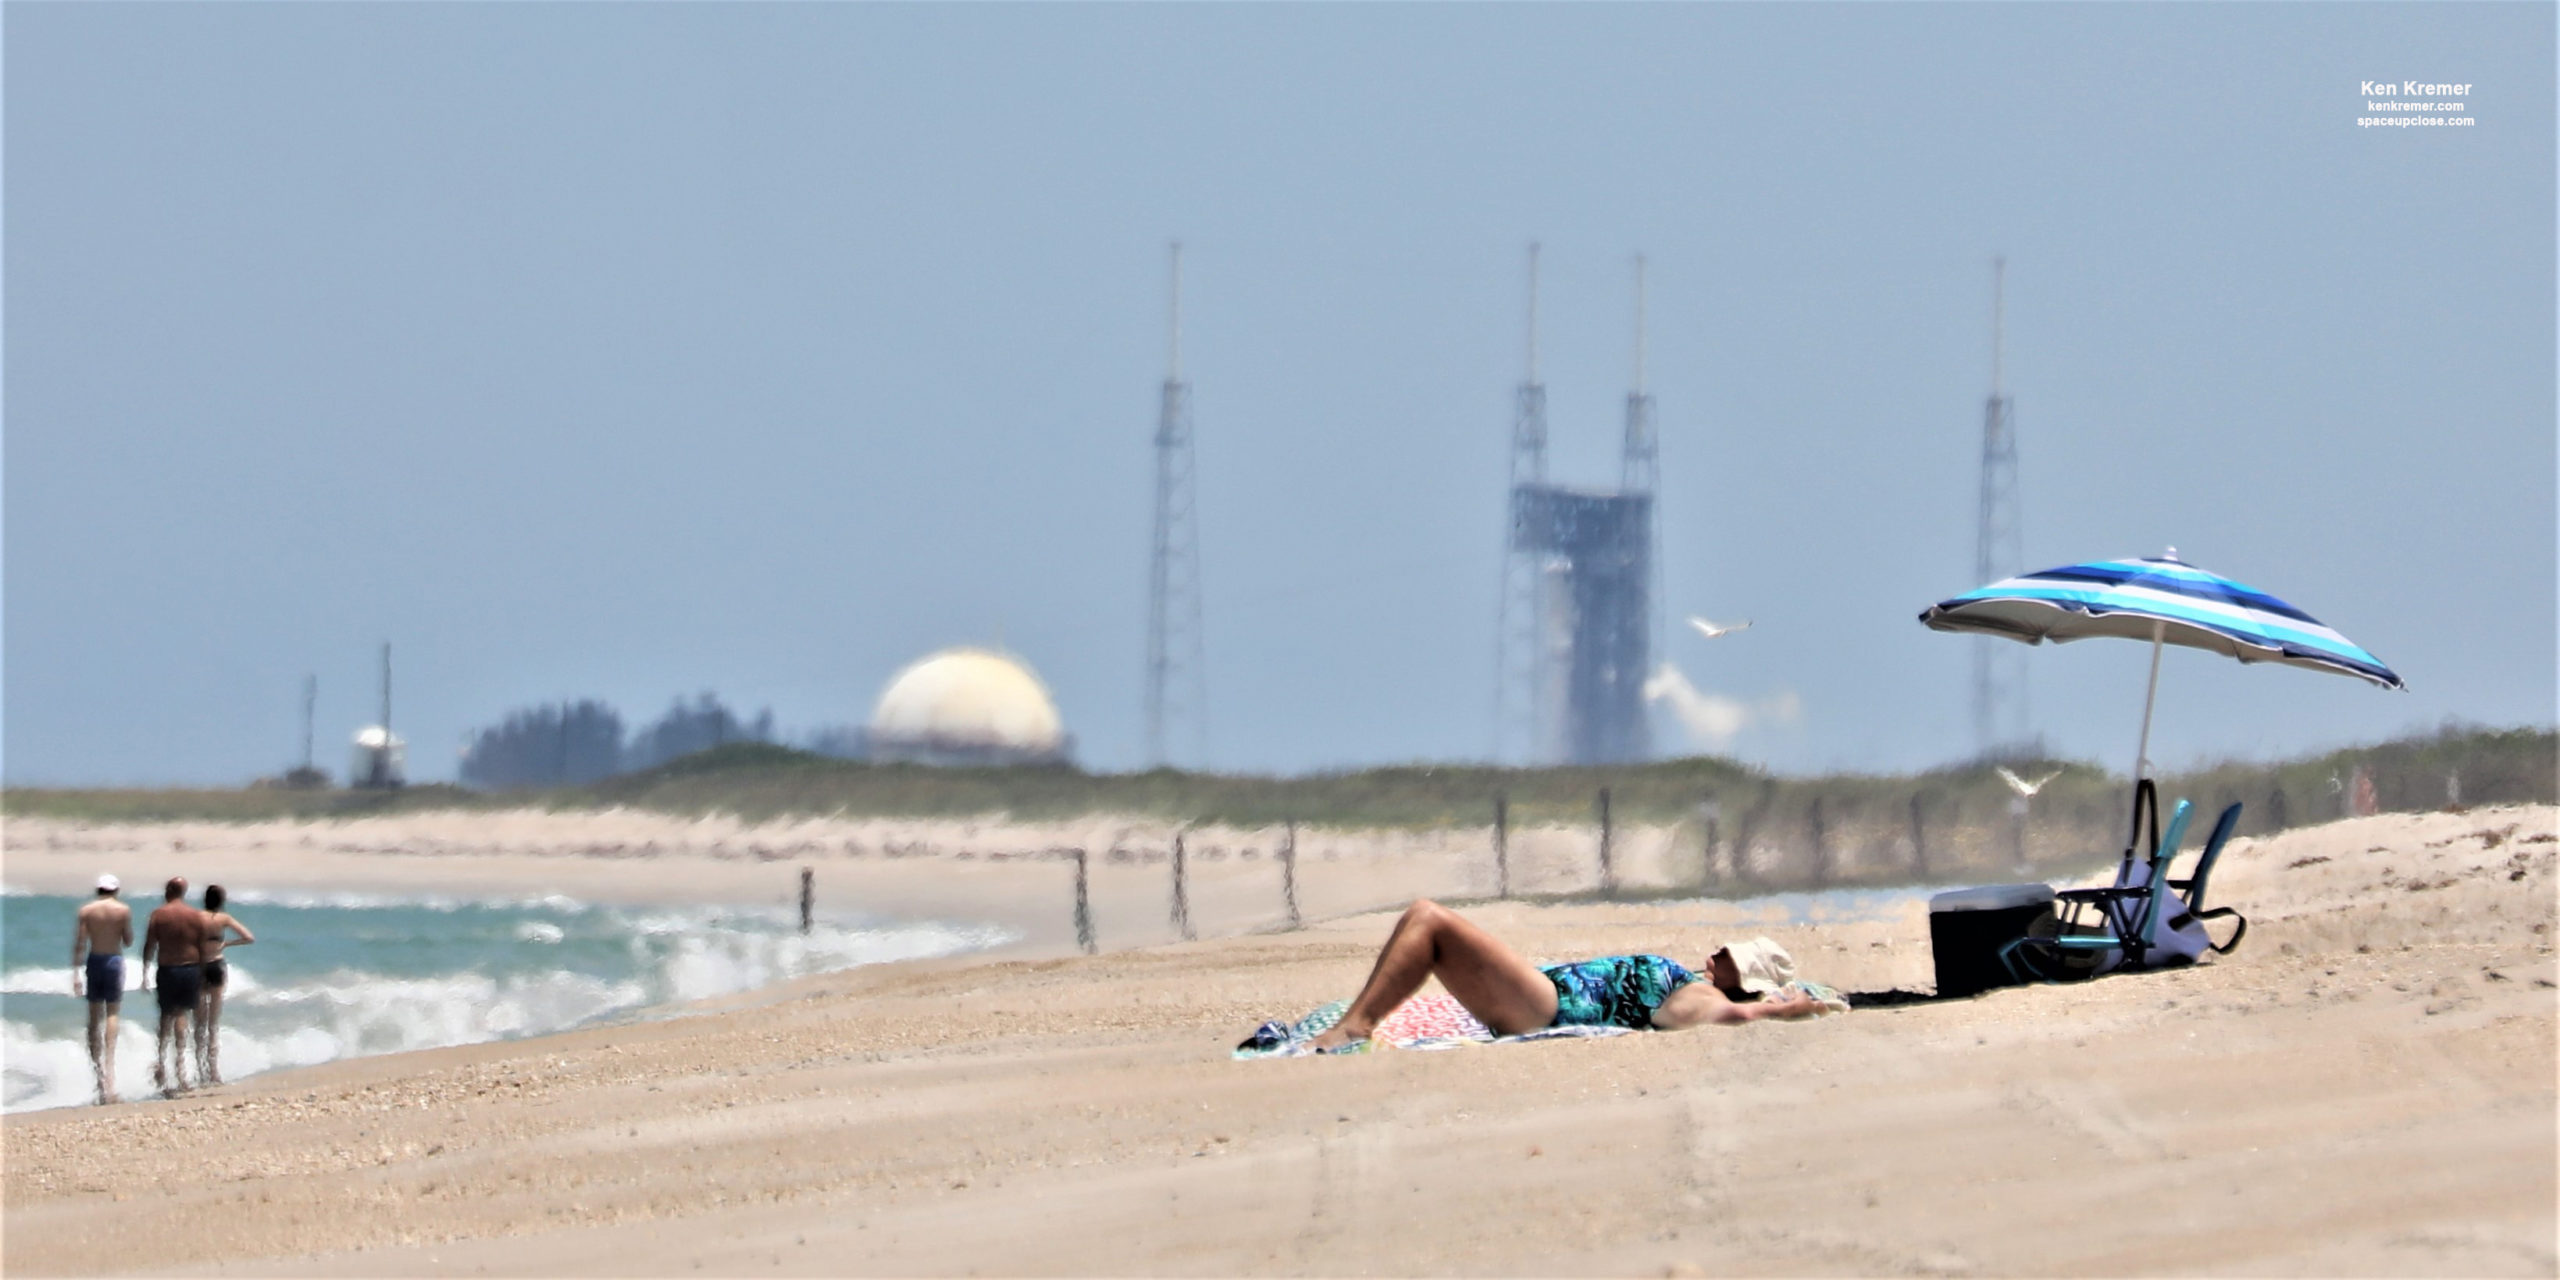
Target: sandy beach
<point>1016,875</point>
<point>2365,1087</point>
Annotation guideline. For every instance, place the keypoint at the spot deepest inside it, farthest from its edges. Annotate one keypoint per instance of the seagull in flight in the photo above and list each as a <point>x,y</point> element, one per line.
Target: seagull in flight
<point>1713,629</point>
<point>2020,785</point>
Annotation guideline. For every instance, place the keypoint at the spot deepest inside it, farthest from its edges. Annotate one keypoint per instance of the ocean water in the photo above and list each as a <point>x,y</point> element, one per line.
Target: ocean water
<point>341,976</point>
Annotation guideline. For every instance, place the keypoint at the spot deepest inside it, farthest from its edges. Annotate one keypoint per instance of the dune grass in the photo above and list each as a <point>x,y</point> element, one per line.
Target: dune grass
<point>759,780</point>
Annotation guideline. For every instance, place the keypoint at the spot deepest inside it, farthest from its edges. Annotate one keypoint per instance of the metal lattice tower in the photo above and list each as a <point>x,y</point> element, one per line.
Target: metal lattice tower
<point>1522,713</point>
<point>1176,677</point>
<point>1999,666</point>
<point>1640,470</point>
<point>310,701</point>
<point>1642,467</point>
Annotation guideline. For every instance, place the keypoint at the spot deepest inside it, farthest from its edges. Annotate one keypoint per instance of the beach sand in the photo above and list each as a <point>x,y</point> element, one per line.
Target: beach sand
<point>2365,1087</point>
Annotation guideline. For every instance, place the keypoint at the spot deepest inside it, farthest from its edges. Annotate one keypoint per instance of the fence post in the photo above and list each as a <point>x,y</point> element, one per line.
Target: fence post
<point>1919,843</point>
<point>1289,872</point>
<point>1084,908</point>
<point>1181,892</point>
<point>2018,833</point>
<point>1747,831</point>
<point>1710,812</point>
<point>1501,844</point>
<point>808,896</point>
<point>1821,849</point>
<point>1608,874</point>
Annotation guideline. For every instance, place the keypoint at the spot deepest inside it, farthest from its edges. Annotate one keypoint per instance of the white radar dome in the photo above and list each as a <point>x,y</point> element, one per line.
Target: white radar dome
<point>967,706</point>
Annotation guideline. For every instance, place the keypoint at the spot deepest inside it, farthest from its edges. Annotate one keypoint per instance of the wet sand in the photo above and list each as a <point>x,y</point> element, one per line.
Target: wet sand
<point>2366,1087</point>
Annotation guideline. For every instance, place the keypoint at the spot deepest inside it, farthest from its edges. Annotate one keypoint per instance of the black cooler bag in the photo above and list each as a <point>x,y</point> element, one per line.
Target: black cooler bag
<point>1968,927</point>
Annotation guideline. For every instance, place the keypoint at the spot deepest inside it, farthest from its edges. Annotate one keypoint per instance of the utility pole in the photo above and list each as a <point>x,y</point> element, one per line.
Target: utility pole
<point>1999,666</point>
<point>310,702</point>
<point>378,766</point>
<point>1176,678</point>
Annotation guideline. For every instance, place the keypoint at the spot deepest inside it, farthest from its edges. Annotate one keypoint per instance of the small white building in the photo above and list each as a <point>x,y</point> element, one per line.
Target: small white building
<point>379,758</point>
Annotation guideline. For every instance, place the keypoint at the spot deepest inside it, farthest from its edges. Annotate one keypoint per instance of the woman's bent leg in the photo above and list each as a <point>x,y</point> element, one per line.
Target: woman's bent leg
<point>1505,992</point>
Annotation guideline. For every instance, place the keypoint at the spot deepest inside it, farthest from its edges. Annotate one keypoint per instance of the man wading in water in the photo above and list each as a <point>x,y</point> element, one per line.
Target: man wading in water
<point>176,936</point>
<point>98,940</point>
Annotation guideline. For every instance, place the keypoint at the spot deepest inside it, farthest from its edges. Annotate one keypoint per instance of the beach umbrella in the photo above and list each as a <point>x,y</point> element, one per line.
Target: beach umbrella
<point>2166,601</point>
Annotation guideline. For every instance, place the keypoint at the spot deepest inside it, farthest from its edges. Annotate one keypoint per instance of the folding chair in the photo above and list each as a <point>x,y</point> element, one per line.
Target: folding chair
<point>2124,933</point>
<point>2190,921</point>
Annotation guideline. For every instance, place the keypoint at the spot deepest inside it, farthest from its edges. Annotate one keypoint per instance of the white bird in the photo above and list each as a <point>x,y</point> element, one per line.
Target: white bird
<point>1713,629</point>
<point>2020,785</point>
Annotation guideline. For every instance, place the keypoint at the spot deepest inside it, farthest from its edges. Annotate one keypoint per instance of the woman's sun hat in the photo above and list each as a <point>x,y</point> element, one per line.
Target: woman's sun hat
<point>1764,965</point>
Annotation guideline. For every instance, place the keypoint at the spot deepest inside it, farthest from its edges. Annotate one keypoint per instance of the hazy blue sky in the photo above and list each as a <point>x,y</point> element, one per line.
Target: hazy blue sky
<point>633,350</point>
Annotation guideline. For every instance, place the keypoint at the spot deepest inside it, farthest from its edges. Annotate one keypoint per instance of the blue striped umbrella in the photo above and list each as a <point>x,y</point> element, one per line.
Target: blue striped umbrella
<point>2165,601</point>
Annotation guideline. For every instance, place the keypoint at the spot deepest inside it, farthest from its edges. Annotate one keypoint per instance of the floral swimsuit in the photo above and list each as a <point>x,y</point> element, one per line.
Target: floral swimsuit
<point>1621,991</point>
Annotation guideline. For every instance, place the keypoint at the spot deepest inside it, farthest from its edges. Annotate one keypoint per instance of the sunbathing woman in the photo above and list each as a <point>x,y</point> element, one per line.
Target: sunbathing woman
<point>1511,996</point>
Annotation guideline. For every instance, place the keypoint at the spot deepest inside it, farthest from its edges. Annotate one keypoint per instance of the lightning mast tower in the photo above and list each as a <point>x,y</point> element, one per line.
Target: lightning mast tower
<point>1176,680</point>
<point>1641,470</point>
<point>1999,667</point>
<point>1521,710</point>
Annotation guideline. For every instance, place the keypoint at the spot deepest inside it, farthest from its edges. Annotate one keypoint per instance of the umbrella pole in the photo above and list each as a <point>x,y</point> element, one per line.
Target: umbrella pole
<point>2142,752</point>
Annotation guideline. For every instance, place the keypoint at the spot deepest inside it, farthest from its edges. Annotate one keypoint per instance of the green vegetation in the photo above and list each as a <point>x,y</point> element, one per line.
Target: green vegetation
<point>2484,766</point>
<point>1845,812</point>
<point>247,804</point>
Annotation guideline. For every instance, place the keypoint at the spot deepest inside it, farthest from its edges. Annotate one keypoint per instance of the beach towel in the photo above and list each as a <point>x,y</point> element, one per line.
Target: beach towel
<point>1438,1021</point>
<point>1828,997</point>
<point>1424,1022</point>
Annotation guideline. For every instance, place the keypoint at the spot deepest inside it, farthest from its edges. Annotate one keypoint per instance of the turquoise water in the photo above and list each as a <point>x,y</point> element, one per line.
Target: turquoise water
<point>339,976</point>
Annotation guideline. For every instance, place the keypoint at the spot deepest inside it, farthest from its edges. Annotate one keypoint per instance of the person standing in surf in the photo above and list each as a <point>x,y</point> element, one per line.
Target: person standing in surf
<point>217,975</point>
<point>175,936</point>
<point>103,929</point>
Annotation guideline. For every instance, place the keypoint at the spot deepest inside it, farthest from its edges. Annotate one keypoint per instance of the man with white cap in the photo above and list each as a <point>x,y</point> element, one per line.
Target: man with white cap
<point>99,936</point>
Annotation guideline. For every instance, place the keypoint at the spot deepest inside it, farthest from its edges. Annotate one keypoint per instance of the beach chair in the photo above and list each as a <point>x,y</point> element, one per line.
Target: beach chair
<point>2187,924</point>
<point>2125,931</point>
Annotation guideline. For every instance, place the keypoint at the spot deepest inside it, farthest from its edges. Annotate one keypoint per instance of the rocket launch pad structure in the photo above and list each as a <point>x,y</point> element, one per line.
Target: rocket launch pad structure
<point>1575,634</point>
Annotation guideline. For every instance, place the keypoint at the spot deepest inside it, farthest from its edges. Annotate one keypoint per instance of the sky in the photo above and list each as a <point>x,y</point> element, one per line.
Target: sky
<point>631,351</point>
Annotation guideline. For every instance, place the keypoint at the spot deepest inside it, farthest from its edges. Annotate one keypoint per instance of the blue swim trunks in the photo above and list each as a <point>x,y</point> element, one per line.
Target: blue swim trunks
<point>1619,991</point>
<point>105,978</point>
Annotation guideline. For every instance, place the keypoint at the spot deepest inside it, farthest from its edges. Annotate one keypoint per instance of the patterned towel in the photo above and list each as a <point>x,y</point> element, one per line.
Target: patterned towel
<point>1828,997</point>
<point>1438,1021</point>
<point>1428,1022</point>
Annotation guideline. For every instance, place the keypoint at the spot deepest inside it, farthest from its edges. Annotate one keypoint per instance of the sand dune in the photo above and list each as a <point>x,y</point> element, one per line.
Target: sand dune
<point>2366,1087</point>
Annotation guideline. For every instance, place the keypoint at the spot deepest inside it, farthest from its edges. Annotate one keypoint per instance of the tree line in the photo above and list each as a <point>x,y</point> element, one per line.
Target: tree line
<point>569,743</point>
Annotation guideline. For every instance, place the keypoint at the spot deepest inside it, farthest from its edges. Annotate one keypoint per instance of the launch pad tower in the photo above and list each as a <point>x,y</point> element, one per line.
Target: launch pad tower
<point>1575,629</point>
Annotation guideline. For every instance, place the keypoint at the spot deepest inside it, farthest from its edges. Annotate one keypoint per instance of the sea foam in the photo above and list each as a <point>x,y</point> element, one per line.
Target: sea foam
<point>338,976</point>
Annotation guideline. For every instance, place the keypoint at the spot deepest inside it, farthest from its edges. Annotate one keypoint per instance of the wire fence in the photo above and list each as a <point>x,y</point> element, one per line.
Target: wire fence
<point>1959,827</point>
